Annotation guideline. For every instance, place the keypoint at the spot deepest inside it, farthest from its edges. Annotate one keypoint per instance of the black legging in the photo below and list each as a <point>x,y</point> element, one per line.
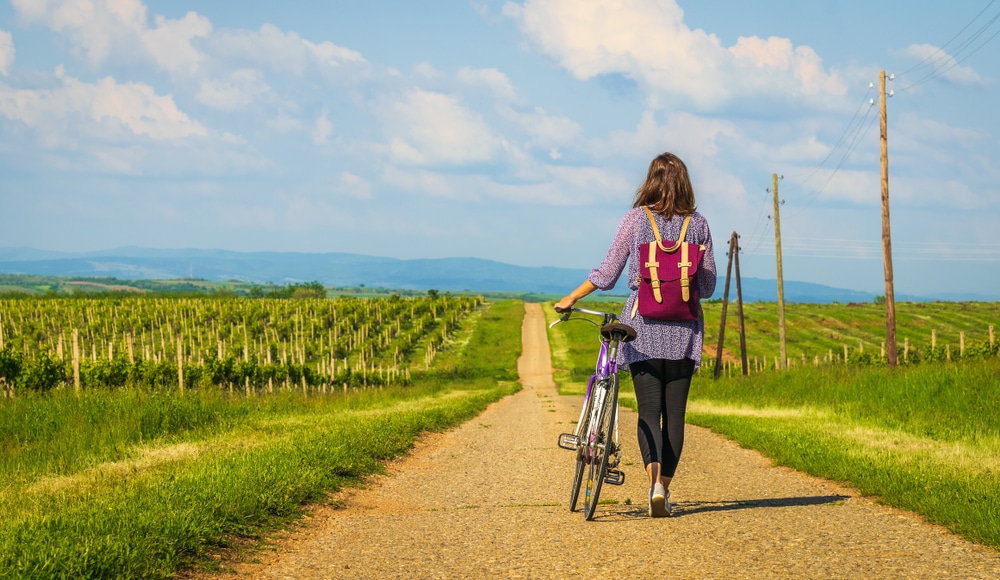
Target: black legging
<point>661,391</point>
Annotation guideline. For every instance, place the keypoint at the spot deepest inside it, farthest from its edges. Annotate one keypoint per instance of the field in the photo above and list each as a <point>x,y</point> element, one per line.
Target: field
<point>184,426</point>
<point>141,480</point>
<point>924,437</point>
<point>249,345</point>
<point>818,333</point>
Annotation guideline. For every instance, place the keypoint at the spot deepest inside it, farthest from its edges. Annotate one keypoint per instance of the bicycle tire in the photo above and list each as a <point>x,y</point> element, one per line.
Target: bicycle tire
<point>581,457</point>
<point>601,448</point>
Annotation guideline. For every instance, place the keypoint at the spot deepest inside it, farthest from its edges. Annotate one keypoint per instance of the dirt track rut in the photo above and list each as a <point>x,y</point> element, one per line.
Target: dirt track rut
<point>488,499</point>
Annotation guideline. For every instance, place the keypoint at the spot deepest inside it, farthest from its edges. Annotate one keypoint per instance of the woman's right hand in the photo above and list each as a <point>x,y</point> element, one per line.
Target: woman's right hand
<point>565,303</point>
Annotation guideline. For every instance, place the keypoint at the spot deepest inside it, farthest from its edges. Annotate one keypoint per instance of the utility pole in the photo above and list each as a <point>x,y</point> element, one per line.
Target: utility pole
<point>890,297</point>
<point>781,280</point>
<point>734,255</point>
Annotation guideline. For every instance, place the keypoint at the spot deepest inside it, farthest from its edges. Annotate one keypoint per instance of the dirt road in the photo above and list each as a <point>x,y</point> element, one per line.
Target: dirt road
<point>488,499</point>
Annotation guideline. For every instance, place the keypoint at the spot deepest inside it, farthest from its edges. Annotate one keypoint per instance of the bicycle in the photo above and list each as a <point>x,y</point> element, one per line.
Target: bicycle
<point>595,438</point>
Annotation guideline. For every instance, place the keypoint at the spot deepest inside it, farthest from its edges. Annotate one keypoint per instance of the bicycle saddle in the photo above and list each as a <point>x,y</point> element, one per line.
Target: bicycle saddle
<point>618,331</point>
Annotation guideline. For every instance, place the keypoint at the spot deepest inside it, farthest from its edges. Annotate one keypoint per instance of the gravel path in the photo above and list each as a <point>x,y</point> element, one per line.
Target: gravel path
<point>488,499</point>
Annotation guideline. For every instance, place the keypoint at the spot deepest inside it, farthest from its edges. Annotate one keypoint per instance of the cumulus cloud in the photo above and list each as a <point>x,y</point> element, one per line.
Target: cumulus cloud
<point>132,107</point>
<point>942,64</point>
<point>354,185</point>
<point>6,52</point>
<point>428,128</point>
<point>280,51</point>
<point>648,41</point>
<point>692,137</point>
<point>322,128</point>
<point>236,90</point>
<point>543,129</point>
<point>120,29</point>
<point>491,79</point>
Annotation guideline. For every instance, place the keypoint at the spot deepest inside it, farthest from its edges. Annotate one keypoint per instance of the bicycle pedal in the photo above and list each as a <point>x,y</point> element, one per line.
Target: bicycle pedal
<point>614,477</point>
<point>569,441</point>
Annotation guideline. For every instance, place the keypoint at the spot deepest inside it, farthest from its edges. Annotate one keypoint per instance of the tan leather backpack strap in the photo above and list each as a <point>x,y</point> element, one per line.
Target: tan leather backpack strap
<point>654,276</point>
<point>652,222</point>
<point>684,228</point>
<point>656,232</point>
<point>685,262</point>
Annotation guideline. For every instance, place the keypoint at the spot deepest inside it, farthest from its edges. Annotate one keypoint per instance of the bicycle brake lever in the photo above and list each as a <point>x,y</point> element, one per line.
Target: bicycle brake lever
<point>566,312</point>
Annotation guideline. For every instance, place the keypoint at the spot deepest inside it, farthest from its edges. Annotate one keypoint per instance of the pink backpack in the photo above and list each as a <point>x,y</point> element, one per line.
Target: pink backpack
<point>667,270</point>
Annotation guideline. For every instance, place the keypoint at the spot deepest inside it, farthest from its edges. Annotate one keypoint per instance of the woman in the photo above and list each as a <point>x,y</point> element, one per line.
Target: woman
<point>664,355</point>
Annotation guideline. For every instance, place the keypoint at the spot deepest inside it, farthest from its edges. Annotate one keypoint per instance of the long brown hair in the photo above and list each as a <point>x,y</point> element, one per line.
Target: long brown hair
<point>667,189</point>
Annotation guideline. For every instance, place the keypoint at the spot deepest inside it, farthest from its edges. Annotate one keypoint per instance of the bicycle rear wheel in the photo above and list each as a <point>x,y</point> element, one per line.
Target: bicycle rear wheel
<point>581,454</point>
<point>601,446</point>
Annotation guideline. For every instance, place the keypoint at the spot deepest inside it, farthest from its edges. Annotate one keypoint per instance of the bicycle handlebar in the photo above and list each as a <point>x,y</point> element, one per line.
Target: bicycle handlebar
<point>566,312</point>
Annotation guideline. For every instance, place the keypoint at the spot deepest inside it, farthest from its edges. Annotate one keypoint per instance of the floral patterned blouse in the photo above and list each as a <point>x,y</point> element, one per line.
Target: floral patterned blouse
<point>656,338</point>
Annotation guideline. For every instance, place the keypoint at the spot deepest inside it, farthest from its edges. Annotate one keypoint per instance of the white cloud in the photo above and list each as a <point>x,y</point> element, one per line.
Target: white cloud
<point>322,128</point>
<point>703,143</point>
<point>939,62</point>
<point>691,137</point>
<point>648,41</point>
<point>280,51</point>
<point>490,78</point>
<point>354,185</point>
<point>285,123</point>
<point>543,129</point>
<point>914,132</point>
<point>169,43</point>
<point>426,70</point>
<point>6,52</point>
<point>237,90</point>
<point>119,29</point>
<point>132,107</point>
<point>426,182</point>
<point>427,128</point>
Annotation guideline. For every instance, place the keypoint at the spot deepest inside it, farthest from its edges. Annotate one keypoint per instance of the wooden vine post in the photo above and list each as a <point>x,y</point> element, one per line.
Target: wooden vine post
<point>180,365</point>
<point>76,361</point>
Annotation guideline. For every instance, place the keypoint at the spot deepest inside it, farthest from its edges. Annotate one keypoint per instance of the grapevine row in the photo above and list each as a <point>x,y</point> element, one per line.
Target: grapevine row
<point>247,344</point>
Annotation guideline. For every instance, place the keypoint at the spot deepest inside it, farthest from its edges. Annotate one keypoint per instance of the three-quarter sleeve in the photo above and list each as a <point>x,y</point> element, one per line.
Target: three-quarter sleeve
<point>606,275</point>
<point>707,274</point>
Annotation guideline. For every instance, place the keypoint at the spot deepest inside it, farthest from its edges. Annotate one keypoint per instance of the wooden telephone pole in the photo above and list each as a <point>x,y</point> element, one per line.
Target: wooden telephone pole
<point>734,254</point>
<point>781,280</point>
<point>890,298</point>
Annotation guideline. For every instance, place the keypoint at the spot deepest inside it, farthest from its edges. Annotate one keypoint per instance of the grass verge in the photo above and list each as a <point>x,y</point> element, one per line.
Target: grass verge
<point>142,484</point>
<point>926,439</point>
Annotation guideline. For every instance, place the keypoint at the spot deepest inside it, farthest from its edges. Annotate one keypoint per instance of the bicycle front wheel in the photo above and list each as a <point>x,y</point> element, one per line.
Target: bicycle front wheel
<point>582,453</point>
<point>601,446</point>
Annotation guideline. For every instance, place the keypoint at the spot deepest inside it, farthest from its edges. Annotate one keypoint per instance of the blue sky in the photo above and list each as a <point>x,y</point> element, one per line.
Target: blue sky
<point>510,130</point>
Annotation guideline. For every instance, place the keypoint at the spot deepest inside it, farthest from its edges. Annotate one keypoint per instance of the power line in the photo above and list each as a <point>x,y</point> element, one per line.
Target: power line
<point>860,133</point>
<point>803,247</point>
<point>852,134</point>
<point>953,60</point>
<point>840,140</point>
<point>933,56</point>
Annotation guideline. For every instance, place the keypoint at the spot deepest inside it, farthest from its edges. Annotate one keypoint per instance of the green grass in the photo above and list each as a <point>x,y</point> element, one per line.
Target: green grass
<point>924,438</point>
<point>143,483</point>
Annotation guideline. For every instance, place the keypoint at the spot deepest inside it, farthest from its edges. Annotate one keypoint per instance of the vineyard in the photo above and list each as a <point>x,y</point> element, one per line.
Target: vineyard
<point>823,334</point>
<point>249,345</point>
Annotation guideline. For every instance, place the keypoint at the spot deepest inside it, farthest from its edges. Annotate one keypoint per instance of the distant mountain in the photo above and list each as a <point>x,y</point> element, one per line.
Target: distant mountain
<point>339,269</point>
